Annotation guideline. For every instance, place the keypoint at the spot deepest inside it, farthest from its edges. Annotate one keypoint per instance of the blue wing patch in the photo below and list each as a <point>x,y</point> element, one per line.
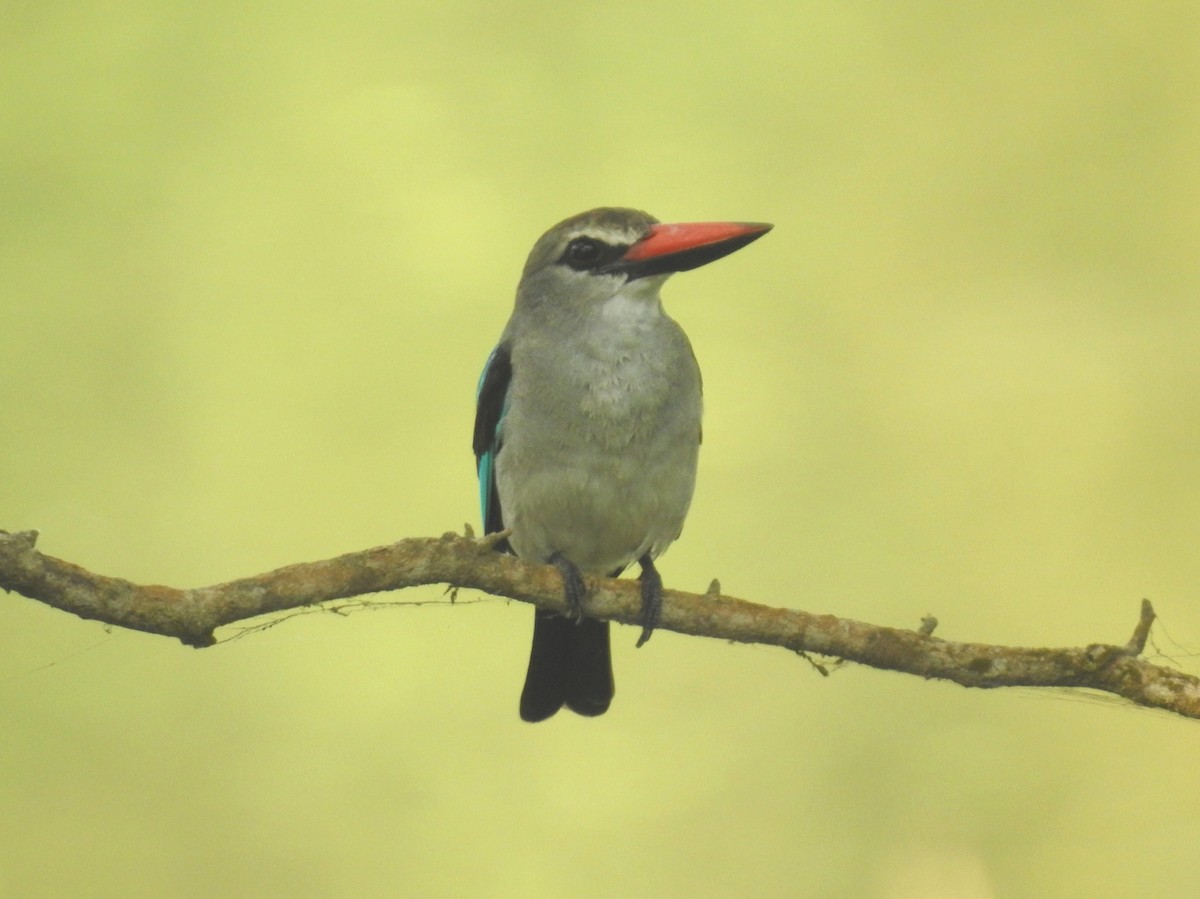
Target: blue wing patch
<point>491,404</point>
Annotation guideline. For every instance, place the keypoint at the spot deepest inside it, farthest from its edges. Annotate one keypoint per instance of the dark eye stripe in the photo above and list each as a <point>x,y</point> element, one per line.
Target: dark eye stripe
<point>588,254</point>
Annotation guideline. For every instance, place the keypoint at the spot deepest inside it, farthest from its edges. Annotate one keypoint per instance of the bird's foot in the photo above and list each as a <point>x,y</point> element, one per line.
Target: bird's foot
<point>573,586</point>
<point>652,595</point>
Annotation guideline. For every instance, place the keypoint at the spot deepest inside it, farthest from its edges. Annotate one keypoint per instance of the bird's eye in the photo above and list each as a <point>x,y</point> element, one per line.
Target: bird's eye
<point>583,253</point>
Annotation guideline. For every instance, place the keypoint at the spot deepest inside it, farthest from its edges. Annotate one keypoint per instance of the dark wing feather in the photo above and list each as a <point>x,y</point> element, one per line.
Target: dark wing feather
<point>491,402</point>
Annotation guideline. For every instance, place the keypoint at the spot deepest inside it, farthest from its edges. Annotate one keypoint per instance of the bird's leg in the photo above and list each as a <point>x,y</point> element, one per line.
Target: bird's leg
<point>573,586</point>
<point>652,594</point>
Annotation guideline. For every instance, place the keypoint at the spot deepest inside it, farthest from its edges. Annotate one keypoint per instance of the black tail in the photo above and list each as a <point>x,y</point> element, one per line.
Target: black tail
<point>570,664</point>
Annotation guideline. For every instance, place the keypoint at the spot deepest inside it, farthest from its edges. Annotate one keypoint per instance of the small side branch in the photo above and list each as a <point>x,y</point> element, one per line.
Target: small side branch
<point>192,615</point>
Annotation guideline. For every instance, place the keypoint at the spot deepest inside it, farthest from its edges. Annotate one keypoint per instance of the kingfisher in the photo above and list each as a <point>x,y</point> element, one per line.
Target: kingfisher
<point>587,428</point>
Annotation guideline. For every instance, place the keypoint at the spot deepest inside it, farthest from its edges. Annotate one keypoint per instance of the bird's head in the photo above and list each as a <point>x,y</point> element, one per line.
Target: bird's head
<point>597,255</point>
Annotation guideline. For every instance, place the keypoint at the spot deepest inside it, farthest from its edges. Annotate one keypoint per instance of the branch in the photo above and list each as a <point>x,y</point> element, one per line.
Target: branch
<point>192,615</point>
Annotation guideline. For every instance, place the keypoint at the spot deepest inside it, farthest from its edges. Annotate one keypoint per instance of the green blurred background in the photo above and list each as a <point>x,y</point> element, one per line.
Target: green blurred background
<point>252,258</point>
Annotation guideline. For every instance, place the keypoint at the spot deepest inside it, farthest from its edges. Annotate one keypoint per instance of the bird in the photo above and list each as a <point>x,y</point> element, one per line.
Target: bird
<point>588,428</point>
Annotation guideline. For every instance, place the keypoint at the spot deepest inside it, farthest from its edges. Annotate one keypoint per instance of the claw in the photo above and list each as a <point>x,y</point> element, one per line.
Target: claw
<point>652,594</point>
<point>573,587</point>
